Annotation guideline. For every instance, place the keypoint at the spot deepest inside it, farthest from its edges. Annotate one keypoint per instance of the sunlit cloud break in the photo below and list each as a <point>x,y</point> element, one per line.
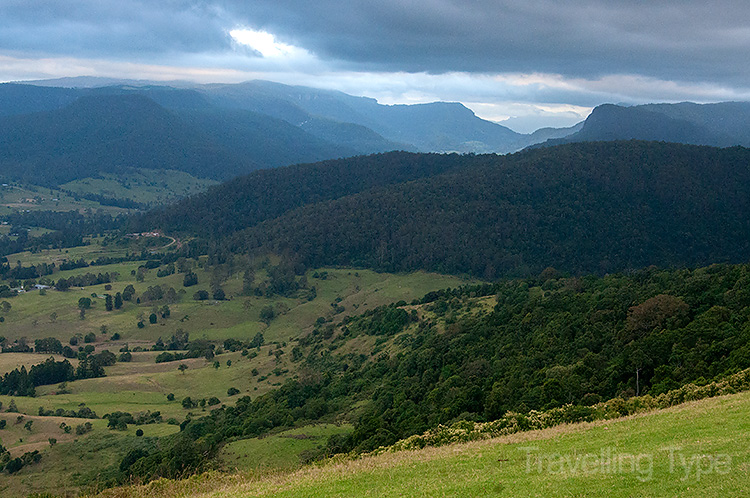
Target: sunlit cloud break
<point>265,44</point>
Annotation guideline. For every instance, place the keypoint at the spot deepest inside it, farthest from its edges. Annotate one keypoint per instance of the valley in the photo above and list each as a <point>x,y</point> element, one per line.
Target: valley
<point>259,289</point>
<point>139,384</point>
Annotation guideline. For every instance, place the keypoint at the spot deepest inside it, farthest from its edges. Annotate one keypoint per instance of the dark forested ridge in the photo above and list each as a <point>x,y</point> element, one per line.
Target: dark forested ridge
<point>266,194</point>
<point>588,207</point>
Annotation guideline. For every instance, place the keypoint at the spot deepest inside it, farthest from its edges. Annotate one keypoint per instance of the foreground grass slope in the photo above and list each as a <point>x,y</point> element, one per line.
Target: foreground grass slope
<point>698,449</point>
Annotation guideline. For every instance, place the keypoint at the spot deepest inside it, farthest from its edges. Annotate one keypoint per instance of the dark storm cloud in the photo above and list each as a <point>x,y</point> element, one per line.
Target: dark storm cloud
<point>688,40</point>
<point>128,29</point>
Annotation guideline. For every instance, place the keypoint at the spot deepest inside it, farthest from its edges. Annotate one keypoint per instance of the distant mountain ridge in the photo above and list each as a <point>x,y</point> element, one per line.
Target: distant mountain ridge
<point>721,125</point>
<point>359,124</point>
<point>435,127</point>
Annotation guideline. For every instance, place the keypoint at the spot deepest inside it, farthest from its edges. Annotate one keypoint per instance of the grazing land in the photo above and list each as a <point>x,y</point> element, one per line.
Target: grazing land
<point>143,386</point>
<point>697,449</point>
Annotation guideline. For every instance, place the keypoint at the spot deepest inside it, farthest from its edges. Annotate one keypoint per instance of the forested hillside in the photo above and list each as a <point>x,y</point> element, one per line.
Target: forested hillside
<point>477,353</point>
<point>266,194</point>
<point>582,208</point>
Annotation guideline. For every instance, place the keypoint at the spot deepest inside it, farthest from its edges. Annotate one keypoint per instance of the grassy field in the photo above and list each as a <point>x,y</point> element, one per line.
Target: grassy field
<point>281,451</point>
<point>142,385</point>
<point>699,449</point>
<point>75,460</point>
<point>142,185</point>
<point>237,317</point>
<point>14,198</point>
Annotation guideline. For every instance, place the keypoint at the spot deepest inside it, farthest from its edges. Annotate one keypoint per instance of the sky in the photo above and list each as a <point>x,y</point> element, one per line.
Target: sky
<point>525,64</point>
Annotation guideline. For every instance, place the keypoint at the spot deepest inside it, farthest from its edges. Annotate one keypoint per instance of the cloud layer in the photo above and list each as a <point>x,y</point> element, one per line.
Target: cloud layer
<point>540,54</point>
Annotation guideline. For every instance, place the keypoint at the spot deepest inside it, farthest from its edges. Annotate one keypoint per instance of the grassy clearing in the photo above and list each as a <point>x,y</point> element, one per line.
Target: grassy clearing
<point>656,455</point>
<point>143,385</point>
<point>237,317</point>
<point>142,185</point>
<point>75,461</point>
<point>281,451</point>
<point>14,198</point>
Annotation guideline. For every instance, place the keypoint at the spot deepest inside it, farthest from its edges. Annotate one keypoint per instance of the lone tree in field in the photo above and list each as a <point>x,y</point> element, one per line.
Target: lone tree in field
<point>182,368</point>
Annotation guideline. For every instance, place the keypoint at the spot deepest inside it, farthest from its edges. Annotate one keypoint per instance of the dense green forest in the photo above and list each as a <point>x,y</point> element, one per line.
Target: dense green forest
<point>266,194</point>
<point>589,207</point>
<point>478,352</point>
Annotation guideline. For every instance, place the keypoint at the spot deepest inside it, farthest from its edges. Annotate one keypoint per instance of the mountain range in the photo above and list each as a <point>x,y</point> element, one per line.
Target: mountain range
<point>58,134</point>
<point>84,127</point>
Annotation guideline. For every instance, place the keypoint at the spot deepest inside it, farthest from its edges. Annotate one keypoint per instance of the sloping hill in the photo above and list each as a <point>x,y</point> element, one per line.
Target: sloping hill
<point>266,194</point>
<point>105,133</point>
<point>588,207</point>
<point>25,99</point>
<point>722,125</point>
<point>698,449</point>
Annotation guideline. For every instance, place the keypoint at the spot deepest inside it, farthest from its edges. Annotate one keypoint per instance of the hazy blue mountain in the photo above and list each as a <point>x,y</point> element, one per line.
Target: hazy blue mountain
<point>435,127</point>
<point>268,141</point>
<point>24,99</point>
<point>724,124</point>
<point>359,125</point>
<point>543,134</point>
<point>311,139</point>
<point>106,131</point>
<point>165,96</point>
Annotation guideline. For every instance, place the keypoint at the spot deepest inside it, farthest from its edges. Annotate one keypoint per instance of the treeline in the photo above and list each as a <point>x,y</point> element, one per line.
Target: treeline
<point>22,382</point>
<point>69,229</point>
<point>106,201</point>
<point>17,273</point>
<point>13,465</point>
<point>64,284</point>
<point>199,348</point>
<point>69,221</point>
<point>477,353</point>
